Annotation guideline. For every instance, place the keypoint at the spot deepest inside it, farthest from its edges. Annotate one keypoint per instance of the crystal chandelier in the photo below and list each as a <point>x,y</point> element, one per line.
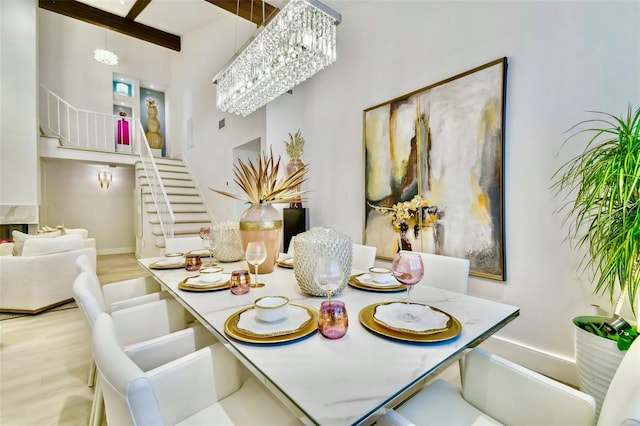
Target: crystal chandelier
<point>296,44</point>
<point>105,56</point>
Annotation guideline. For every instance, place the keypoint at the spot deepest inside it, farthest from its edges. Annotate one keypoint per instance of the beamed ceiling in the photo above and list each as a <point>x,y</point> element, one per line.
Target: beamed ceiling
<point>125,16</point>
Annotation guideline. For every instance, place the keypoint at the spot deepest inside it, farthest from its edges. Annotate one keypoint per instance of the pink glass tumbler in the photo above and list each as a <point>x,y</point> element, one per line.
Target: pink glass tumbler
<point>333,320</point>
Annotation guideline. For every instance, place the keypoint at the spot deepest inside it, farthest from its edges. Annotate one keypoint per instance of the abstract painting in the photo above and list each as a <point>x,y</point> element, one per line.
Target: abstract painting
<point>434,170</point>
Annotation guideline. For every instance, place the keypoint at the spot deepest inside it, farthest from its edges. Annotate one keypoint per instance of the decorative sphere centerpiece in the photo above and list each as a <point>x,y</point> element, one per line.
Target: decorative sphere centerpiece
<point>309,246</point>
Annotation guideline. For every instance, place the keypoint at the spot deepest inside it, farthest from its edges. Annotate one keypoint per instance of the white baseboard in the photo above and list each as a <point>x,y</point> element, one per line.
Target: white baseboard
<point>552,365</point>
<point>119,250</point>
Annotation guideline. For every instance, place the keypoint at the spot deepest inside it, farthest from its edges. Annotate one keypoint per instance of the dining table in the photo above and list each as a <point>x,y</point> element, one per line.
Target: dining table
<point>352,380</point>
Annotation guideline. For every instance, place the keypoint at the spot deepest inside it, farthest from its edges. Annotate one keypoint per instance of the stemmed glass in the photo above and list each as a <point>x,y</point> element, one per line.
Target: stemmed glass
<point>328,274</point>
<point>333,320</point>
<point>408,270</point>
<point>205,235</point>
<point>256,254</point>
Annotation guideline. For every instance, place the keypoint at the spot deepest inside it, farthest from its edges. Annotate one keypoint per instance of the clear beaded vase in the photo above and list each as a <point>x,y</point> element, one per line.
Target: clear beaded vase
<point>309,246</point>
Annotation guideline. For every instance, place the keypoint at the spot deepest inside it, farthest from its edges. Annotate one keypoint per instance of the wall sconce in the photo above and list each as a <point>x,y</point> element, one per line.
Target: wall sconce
<point>104,178</point>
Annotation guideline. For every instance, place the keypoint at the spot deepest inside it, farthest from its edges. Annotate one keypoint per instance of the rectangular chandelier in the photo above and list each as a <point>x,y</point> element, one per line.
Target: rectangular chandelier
<point>296,44</point>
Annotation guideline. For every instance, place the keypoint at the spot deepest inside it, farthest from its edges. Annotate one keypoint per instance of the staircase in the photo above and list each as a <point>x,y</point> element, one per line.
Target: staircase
<point>186,202</point>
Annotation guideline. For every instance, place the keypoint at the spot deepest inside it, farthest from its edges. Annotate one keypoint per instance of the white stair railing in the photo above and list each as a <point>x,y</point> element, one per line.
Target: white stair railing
<point>97,131</point>
<point>84,129</point>
<point>158,192</point>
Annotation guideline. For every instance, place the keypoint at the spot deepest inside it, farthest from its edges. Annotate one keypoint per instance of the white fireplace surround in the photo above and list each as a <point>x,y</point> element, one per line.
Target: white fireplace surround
<point>18,214</point>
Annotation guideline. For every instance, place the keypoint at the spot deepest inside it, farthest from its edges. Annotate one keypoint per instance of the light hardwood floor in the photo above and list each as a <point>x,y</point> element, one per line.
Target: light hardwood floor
<point>44,360</point>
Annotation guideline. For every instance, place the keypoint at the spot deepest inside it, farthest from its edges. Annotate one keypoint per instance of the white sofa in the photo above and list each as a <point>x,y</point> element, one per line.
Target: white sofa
<point>42,277</point>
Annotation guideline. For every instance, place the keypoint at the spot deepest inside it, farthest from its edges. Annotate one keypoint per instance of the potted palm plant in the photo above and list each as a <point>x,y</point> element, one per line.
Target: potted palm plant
<point>602,186</point>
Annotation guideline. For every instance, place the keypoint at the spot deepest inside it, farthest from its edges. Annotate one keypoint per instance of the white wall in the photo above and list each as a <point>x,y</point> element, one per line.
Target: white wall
<point>71,194</point>
<point>18,126</point>
<point>193,96</point>
<point>564,58</point>
<point>67,67</point>
<point>73,197</point>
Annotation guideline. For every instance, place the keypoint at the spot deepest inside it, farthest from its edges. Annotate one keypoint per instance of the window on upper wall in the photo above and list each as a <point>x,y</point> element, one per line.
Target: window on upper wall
<point>122,88</point>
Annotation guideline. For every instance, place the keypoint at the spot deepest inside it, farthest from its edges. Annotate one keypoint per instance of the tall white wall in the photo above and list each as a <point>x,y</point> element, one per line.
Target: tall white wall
<point>18,126</point>
<point>208,150</point>
<point>67,67</point>
<point>70,192</point>
<point>565,58</point>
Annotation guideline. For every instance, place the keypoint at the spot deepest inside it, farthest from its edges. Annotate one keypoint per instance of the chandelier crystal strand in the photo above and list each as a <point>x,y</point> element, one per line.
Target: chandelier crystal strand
<point>297,43</point>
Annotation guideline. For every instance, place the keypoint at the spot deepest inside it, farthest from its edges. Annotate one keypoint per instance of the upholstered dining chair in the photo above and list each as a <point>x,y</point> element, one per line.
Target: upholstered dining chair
<point>291,252</point>
<point>497,391</point>
<point>445,272</point>
<point>203,387</point>
<point>146,355</point>
<point>363,257</point>
<point>122,294</point>
<point>140,322</point>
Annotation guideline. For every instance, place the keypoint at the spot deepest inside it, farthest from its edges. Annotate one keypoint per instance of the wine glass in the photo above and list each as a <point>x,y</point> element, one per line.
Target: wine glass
<point>408,270</point>
<point>205,235</point>
<point>256,254</point>
<point>328,274</point>
<point>333,320</point>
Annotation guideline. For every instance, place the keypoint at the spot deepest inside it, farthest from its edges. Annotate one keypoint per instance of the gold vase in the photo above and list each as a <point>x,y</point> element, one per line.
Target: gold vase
<point>262,222</point>
<point>292,167</point>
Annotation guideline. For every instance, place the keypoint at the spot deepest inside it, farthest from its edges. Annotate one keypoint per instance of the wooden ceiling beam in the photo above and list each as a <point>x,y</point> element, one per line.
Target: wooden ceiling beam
<point>137,7</point>
<point>91,15</point>
<point>245,9</point>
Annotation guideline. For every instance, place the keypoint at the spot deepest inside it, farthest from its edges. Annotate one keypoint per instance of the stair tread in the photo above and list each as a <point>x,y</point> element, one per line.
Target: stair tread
<point>194,232</point>
<point>181,222</point>
<point>173,193</point>
<point>180,211</point>
<point>180,202</point>
<point>173,186</point>
<point>181,179</point>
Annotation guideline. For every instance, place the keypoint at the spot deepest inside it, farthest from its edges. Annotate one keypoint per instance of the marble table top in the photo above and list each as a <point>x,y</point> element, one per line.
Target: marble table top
<point>350,380</point>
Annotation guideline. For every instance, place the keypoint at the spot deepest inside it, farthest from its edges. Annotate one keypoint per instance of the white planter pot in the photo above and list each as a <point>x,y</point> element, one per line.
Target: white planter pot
<point>597,360</point>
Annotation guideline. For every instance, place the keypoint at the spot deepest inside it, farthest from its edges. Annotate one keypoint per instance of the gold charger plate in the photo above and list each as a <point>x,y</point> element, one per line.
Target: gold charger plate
<point>158,265</point>
<point>368,322</point>
<point>353,282</point>
<point>405,330</point>
<point>309,327</point>
<point>200,252</point>
<point>213,287</point>
<point>284,264</point>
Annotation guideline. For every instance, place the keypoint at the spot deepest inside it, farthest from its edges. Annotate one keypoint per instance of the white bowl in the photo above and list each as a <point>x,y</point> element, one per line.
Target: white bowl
<point>380,275</point>
<point>210,274</point>
<point>271,308</point>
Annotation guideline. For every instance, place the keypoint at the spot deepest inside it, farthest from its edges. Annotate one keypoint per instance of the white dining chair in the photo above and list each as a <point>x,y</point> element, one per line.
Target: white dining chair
<point>125,293</point>
<point>363,257</point>
<point>119,295</point>
<point>445,272</point>
<point>497,391</point>
<point>291,250</point>
<point>183,244</point>
<point>205,387</point>
<point>141,322</point>
<point>146,355</point>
